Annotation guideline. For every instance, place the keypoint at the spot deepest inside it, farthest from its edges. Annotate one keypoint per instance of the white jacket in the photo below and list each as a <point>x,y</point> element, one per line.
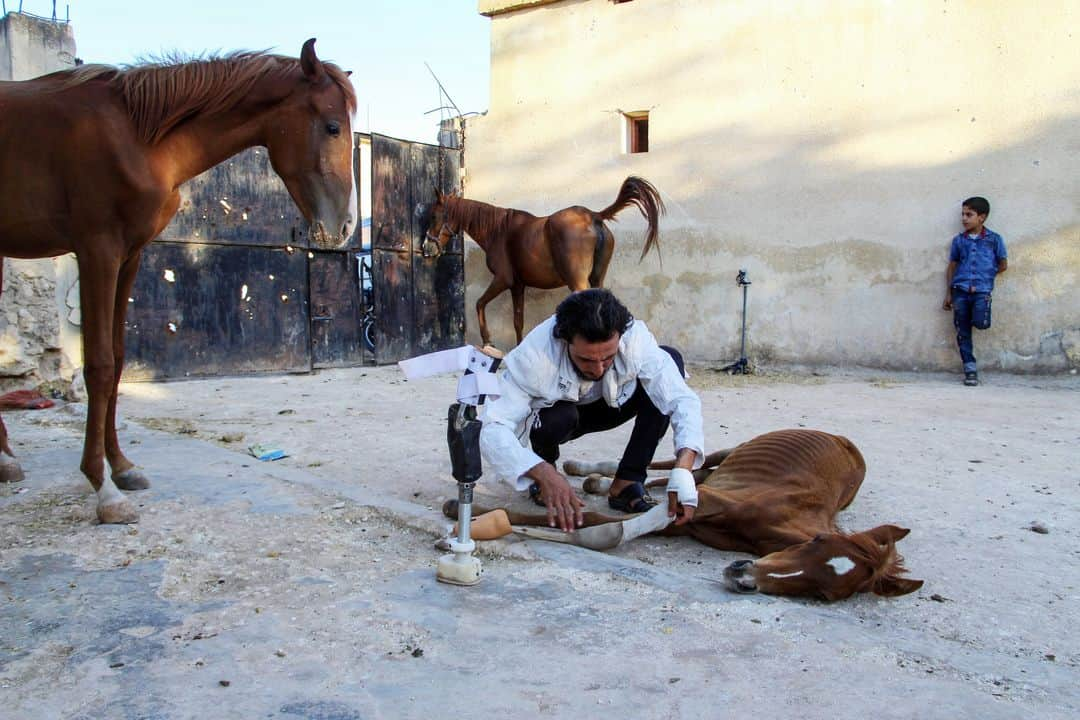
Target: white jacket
<point>538,373</point>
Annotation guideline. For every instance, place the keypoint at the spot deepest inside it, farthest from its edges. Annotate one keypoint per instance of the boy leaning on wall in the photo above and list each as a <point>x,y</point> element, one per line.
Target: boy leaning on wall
<point>976,257</point>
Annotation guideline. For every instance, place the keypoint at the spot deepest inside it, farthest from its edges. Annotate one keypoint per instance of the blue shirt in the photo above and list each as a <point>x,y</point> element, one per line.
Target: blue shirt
<point>976,260</point>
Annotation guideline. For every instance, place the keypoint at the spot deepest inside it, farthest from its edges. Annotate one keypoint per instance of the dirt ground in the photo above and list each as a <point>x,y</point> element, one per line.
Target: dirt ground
<point>306,584</point>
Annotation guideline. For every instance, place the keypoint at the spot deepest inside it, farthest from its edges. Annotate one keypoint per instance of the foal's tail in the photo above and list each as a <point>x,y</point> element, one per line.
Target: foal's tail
<point>640,192</point>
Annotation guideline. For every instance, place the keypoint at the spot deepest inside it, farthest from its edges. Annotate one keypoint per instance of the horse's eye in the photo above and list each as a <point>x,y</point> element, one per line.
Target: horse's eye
<point>818,538</point>
<point>333,128</point>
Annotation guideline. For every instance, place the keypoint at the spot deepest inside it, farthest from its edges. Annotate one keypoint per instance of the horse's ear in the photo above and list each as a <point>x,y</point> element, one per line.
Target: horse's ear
<point>309,62</point>
<point>884,534</point>
<point>890,586</point>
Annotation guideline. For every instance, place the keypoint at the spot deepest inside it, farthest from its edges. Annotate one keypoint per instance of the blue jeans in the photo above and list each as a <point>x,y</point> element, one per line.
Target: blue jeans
<point>970,309</point>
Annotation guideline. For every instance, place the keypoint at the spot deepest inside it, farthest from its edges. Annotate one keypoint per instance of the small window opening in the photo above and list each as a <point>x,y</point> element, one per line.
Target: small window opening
<point>637,132</point>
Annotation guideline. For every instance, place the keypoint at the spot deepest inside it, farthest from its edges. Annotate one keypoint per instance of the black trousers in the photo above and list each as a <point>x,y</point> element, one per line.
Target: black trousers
<point>566,421</point>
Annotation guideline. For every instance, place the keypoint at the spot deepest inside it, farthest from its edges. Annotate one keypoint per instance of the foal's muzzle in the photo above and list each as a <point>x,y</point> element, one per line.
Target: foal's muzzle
<point>737,577</point>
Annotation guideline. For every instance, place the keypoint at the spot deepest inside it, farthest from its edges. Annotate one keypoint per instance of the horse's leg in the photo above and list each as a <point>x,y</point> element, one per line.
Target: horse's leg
<point>124,473</point>
<point>517,292</point>
<point>496,287</point>
<point>9,468</point>
<point>573,252</point>
<point>602,259</point>
<point>98,279</point>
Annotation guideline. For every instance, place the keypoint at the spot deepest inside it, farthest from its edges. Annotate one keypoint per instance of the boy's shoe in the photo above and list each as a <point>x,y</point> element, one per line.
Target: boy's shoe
<point>971,379</point>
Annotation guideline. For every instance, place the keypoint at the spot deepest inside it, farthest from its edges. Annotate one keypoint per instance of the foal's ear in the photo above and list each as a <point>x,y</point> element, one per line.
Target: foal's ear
<point>890,586</point>
<point>884,534</point>
<point>309,62</point>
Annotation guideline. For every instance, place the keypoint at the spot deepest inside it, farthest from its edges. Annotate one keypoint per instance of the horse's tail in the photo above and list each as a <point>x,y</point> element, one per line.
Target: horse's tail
<point>640,192</point>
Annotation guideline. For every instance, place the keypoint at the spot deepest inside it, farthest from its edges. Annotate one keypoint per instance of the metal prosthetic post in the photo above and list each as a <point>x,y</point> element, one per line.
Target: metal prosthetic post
<point>460,567</point>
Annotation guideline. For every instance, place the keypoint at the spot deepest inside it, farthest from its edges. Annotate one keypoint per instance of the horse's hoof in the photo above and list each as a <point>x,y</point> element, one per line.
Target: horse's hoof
<point>596,484</point>
<point>450,509</point>
<point>119,512</point>
<point>10,471</point>
<point>131,479</point>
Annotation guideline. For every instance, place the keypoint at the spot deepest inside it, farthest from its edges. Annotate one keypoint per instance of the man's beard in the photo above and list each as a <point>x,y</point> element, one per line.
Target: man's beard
<point>581,374</point>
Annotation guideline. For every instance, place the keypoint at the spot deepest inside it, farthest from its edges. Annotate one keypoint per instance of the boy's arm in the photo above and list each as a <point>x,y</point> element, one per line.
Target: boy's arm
<point>1003,265</point>
<point>1002,256</point>
<point>949,272</point>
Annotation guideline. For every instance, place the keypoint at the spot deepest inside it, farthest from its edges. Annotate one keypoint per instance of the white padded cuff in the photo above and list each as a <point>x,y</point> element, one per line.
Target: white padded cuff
<point>682,483</point>
<point>471,387</point>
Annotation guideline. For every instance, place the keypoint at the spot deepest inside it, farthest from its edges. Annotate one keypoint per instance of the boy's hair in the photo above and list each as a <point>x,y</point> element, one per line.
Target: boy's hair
<point>980,205</point>
<point>596,315</point>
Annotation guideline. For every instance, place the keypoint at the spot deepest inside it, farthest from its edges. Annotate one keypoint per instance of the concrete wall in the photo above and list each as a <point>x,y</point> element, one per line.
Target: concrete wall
<point>823,146</point>
<point>38,340</point>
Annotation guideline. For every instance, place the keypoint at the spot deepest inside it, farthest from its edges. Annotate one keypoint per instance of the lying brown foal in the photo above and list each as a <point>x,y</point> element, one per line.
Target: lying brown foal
<point>775,496</point>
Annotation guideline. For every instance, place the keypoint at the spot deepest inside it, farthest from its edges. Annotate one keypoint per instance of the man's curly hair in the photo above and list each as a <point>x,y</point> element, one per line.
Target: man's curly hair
<point>596,315</point>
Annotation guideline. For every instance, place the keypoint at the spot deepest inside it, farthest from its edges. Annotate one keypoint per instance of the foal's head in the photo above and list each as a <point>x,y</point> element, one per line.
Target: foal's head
<point>832,566</point>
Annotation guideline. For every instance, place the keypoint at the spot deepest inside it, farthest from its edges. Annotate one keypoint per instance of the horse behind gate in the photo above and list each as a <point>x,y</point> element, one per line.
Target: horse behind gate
<point>91,162</point>
<point>571,247</point>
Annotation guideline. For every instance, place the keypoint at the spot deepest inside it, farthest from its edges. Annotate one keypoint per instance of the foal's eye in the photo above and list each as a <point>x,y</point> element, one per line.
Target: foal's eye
<point>333,128</point>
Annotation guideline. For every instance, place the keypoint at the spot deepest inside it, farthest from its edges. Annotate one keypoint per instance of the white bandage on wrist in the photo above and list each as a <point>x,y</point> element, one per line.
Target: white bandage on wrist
<point>682,483</point>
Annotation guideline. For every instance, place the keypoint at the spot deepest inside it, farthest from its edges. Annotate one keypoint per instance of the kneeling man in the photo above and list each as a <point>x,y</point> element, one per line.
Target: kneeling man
<point>590,368</point>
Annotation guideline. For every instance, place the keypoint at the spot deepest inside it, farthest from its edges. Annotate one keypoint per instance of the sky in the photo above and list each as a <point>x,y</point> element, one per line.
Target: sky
<point>384,42</point>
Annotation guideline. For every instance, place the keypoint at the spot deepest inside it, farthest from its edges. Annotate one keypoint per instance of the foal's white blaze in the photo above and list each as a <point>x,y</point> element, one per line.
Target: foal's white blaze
<point>841,565</point>
<point>786,575</point>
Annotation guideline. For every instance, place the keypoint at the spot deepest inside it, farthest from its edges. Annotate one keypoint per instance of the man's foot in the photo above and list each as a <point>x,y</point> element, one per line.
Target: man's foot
<point>971,379</point>
<point>633,498</point>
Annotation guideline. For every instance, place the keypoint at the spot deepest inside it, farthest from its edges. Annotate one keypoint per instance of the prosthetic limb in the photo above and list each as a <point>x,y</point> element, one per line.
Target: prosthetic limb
<point>460,566</point>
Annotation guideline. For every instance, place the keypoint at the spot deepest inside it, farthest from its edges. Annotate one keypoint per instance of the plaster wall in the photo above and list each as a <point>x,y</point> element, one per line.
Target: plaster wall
<point>824,147</point>
<point>38,340</point>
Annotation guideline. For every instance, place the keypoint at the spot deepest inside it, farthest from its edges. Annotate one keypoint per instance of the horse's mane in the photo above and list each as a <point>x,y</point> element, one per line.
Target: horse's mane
<point>161,94</point>
<point>884,559</point>
<point>477,218</point>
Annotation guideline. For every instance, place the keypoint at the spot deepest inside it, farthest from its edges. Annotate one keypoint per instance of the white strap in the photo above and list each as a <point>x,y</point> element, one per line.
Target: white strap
<point>471,387</point>
<point>681,482</point>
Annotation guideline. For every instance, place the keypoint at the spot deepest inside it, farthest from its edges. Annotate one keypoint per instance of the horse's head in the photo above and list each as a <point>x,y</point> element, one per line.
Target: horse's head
<point>310,141</point>
<point>438,233</point>
<point>832,566</point>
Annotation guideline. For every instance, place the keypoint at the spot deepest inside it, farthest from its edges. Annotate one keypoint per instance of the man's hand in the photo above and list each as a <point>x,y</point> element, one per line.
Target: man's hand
<point>947,305</point>
<point>564,507</point>
<point>684,461</point>
<point>682,513</point>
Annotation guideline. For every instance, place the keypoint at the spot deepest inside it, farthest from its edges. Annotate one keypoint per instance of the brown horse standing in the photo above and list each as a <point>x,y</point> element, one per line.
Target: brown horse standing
<point>571,247</point>
<point>91,161</point>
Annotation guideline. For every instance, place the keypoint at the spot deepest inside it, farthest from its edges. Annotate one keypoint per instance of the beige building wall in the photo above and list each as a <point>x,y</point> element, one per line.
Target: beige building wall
<point>823,146</point>
<point>39,332</point>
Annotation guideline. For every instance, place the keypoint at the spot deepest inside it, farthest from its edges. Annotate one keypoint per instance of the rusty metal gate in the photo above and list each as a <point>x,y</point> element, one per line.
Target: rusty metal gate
<point>232,287</point>
<point>419,298</point>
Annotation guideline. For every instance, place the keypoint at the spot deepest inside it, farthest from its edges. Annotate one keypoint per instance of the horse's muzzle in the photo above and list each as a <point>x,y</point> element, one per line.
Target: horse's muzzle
<point>737,577</point>
<point>324,240</point>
